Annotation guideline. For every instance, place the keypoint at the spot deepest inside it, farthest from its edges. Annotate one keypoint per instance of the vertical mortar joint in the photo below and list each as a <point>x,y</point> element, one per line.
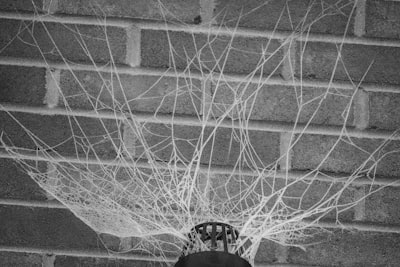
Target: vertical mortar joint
<point>51,179</point>
<point>133,40</point>
<point>125,244</point>
<point>282,254</point>
<point>206,98</point>
<point>130,142</point>
<point>204,185</point>
<point>50,6</point>
<point>359,208</point>
<point>207,8</point>
<point>289,61</point>
<point>361,110</point>
<point>285,151</point>
<point>52,95</point>
<point>48,260</point>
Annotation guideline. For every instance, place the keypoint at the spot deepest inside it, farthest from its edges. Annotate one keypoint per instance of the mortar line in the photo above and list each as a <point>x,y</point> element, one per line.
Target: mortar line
<point>279,35</point>
<point>153,25</point>
<point>125,69</point>
<point>83,253</point>
<point>184,120</point>
<point>32,203</point>
<point>360,226</point>
<point>105,255</point>
<point>291,175</point>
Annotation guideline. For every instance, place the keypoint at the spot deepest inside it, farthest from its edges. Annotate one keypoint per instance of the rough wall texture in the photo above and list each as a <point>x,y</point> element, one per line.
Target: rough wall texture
<point>36,231</point>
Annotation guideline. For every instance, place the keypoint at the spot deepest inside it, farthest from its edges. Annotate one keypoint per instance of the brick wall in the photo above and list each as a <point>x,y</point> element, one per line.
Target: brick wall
<point>38,38</point>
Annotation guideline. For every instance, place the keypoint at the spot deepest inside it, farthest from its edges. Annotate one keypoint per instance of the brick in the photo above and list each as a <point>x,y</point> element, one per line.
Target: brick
<point>281,103</point>
<point>45,228</point>
<point>297,196</point>
<point>267,252</point>
<point>228,193</point>
<point>56,41</point>
<point>243,53</point>
<point>310,150</point>
<point>22,85</point>
<point>305,195</point>
<point>84,90</point>
<point>17,184</point>
<point>224,151</point>
<point>383,206</point>
<point>56,131</point>
<point>175,10</point>
<point>22,5</point>
<point>68,261</point>
<point>164,245</point>
<point>329,17</point>
<point>9,259</point>
<point>318,61</point>
<point>113,190</point>
<point>383,19</point>
<point>344,248</point>
<point>53,229</point>
<point>60,229</point>
<point>384,111</point>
